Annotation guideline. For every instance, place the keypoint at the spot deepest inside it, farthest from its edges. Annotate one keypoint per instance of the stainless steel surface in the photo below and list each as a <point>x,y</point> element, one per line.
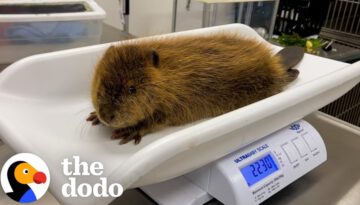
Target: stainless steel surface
<point>124,14</point>
<point>205,15</point>
<point>342,53</point>
<point>248,13</point>
<point>239,15</point>
<point>174,15</point>
<point>273,19</point>
<point>209,14</point>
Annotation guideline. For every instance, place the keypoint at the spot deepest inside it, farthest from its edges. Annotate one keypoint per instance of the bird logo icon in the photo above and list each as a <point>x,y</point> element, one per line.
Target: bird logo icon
<point>25,178</point>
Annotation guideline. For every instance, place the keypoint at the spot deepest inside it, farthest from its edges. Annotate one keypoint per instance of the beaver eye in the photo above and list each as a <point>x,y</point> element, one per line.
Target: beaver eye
<point>25,171</point>
<point>132,90</point>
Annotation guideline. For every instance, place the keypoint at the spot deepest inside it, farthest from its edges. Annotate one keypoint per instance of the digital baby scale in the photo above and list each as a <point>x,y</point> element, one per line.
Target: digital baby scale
<point>250,175</point>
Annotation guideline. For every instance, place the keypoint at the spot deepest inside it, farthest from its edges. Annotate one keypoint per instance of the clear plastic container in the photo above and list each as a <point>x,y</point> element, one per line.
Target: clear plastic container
<point>30,27</point>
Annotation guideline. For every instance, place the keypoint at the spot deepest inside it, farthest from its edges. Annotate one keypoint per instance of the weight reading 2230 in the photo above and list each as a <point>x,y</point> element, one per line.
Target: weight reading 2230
<point>259,169</point>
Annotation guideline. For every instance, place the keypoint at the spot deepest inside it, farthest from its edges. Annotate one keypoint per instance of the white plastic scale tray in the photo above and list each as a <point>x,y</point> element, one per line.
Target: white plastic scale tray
<point>45,99</point>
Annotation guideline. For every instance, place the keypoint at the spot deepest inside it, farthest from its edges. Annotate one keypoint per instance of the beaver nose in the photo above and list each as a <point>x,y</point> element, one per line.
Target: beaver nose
<point>108,119</point>
<point>106,116</point>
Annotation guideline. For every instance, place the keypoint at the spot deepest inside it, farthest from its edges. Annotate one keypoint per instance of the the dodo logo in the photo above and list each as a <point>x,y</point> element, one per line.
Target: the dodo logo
<point>25,178</point>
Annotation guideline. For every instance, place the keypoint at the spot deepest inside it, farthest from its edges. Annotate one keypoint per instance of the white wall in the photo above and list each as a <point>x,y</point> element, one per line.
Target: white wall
<point>189,19</point>
<point>113,12</point>
<point>155,16</point>
<point>192,18</point>
<point>150,17</point>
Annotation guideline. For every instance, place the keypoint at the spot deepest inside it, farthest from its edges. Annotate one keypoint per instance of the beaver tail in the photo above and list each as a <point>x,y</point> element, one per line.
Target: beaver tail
<point>290,57</point>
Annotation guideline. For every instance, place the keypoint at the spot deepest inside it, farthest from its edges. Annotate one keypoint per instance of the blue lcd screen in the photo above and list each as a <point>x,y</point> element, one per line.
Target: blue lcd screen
<point>259,169</point>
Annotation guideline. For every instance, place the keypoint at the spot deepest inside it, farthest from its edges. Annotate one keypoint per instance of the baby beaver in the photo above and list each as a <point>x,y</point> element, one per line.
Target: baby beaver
<point>141,87</point>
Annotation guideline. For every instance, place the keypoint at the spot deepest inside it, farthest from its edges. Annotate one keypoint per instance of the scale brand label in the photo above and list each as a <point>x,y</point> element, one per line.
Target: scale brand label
<point>25,178</point>
<point>251,153</point>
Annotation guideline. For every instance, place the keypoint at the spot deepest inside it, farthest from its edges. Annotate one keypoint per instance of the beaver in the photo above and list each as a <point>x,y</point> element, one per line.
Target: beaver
<point>143,86</point>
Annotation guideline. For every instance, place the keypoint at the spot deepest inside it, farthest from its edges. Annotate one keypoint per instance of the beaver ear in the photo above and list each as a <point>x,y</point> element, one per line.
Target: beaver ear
<point>155,58</point>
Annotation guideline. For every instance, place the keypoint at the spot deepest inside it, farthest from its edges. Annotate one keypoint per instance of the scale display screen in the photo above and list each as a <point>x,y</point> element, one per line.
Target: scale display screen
<point>259,169</point>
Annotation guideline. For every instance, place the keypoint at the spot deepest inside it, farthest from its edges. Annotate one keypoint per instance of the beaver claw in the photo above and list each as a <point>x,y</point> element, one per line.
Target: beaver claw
<point>93,118</point>
<point>126,135</point>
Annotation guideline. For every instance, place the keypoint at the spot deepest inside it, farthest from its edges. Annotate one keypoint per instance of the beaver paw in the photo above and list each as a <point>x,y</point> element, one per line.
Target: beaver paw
<point>126,135</point>
<point>93,118</point>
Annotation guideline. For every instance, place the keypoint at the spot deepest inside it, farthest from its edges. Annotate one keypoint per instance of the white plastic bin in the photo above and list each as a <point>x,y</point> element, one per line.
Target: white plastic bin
<point>29,27</point>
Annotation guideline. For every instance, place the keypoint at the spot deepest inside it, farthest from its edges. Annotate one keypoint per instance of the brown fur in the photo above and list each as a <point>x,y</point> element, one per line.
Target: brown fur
<point>180,80</point>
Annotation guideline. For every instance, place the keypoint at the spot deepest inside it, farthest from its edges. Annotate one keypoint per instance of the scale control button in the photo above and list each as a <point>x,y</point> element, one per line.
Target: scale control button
<point>300,146</point>
<point>290,152</point>
<point>310,142</point>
